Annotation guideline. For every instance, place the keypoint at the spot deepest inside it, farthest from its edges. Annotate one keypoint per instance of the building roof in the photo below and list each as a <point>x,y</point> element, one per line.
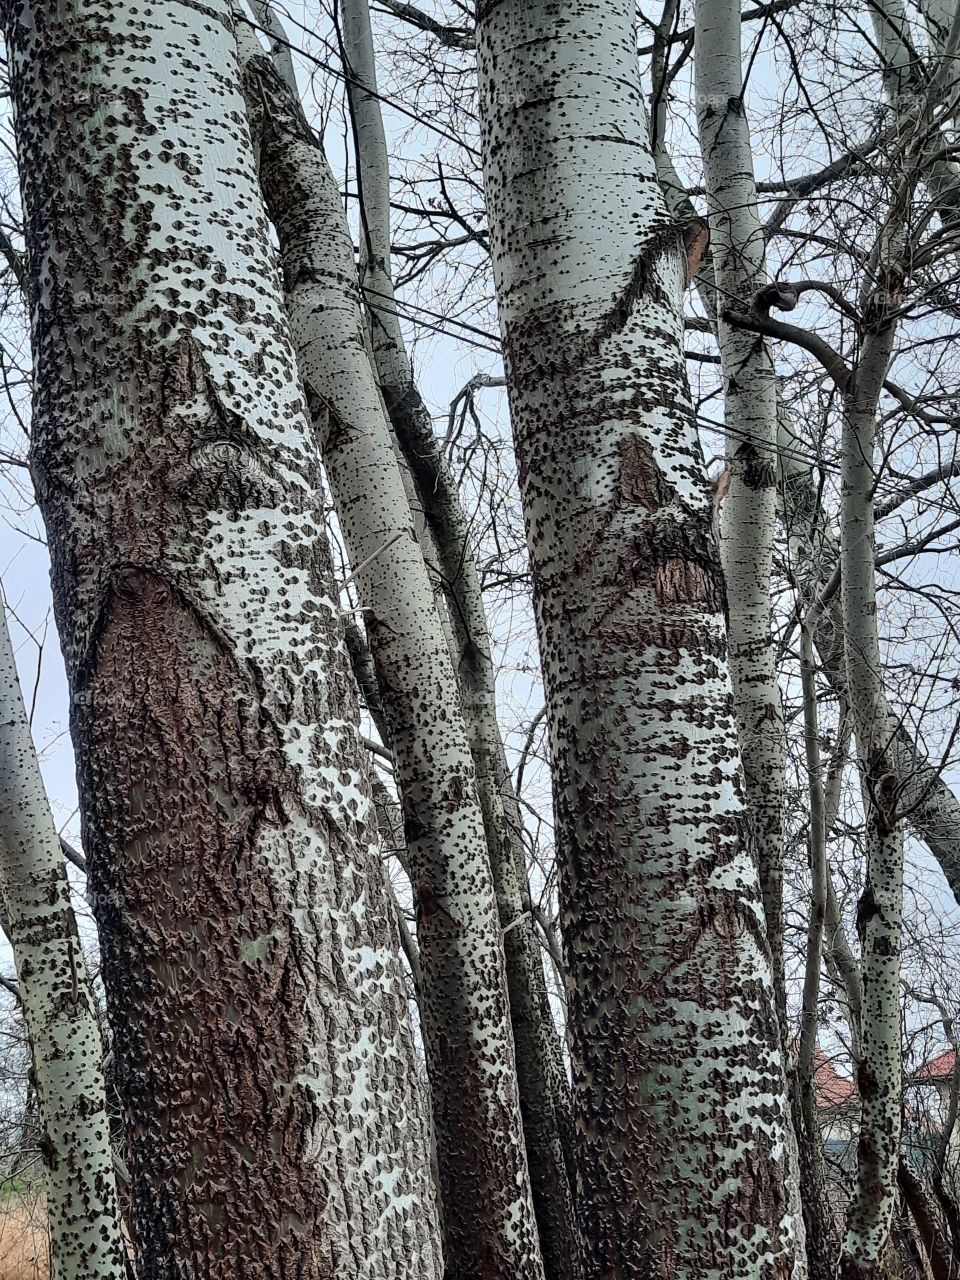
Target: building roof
<point>939,1068</point>
<point>832,1089</point>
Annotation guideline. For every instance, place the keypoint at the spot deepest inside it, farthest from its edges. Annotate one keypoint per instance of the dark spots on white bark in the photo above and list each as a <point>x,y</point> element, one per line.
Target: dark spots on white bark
<point>643,282</point>
<point>732,106</point>
<point>262,1053</point>
<point>541,1075</point>
<point>671,1014</point>
<point>488,1211</point>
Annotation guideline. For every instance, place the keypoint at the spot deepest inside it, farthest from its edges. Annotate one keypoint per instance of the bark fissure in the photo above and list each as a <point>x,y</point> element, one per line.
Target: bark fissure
<point>489,1221</point>
<point>262,1051</point>
<point>672,1025</point>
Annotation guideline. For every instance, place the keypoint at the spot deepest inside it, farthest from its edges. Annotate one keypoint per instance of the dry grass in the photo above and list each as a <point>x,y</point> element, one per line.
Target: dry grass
<point>23,1239</point>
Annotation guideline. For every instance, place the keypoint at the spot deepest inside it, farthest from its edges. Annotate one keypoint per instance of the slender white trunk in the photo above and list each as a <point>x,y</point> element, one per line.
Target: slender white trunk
<point>488,1213</point>
<point>933,808</point>
<point>672,1022</point>
<point>749,510</point>
<point>83,1211</point>
<point>544,1094</point>
<point>263,1054</point>
<point>814,551</point>
<point>880,907</point>
<point>907,83</point>
<point>821,1233</point>
<point>938,16</point>
<point>750,414</point>
<point>879,913</point>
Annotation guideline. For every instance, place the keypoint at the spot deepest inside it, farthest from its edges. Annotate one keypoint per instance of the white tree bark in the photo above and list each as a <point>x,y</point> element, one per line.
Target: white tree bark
<point>389,348</point>
<point>672,1022</point>
<point>748,521</point>
<point>819,1220</point>
<point>907,84</point>
<point>879,912</point>
<point>814,550</point>
<point>880,908</point>
<point>489,1222</point>
<point>750,413</point>
<point>83,1211</point>
<point>541,1078</point>
<point>263,1054</point>
<point>934,809</point>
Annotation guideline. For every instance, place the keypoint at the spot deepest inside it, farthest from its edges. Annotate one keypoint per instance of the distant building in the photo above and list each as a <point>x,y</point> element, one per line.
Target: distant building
<point>934,1083</point>
<point>838,1107</point>
<point>838,1113</point>
<point>939,1070</point>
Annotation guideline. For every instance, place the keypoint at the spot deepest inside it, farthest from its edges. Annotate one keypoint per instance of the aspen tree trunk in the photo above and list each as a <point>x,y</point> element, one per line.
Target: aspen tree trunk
<point>879,911</point>
<point>936,1248</point>
<point>749,510</point>
<point>906,81</point>
<point>83,1210</point>
<point>814,547</point>
<point>678,1084</point>
<point>821,1241</point>
<point>489,1222</point>
<point>263,1055</point>
<point>750,412</point>
<point>814,550</point>
<point>938,16</point>
<point>837,951</point>
<point>880,908</point>
<point>541,1077</point>
<point>934,809</point>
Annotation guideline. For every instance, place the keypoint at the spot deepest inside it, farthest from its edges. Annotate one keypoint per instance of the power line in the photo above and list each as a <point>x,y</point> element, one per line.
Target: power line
<point>341,74</point>
<point>489,338</point>
<point>777,450</point>
<point>489,342</point>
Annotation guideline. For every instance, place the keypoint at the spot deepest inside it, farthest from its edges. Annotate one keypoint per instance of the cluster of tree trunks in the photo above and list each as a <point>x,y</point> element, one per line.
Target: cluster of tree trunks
<point>188,408</point>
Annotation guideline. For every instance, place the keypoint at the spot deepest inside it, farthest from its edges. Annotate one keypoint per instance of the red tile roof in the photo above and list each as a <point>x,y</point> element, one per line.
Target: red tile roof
<point>833,1090</point>
<point>940,1068</point>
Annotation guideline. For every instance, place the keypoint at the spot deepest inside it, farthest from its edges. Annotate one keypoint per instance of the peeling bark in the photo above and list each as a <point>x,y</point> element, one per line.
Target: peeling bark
<point>679,1095</point>
<point>83,1210</point>
<point>490,1229</point>
<point>263,1056</point>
